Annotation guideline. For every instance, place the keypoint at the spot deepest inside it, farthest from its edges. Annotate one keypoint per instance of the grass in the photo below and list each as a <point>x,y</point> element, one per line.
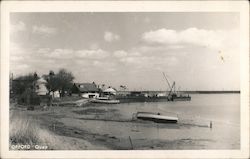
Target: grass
<point>26,130</point>
<point>67,99</point>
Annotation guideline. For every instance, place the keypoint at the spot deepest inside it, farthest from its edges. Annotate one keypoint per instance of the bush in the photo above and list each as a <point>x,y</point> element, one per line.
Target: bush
<point>28,97</point>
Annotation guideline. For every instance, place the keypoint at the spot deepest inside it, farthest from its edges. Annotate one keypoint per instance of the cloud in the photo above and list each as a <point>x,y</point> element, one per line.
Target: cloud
<point>22,67</point>
<point>43,30</point>
<point>43,50</point>
<point>19,58</point>
<point>19,55</point>
<point>214,39</point>
<point>72,54</point>
<point>14,59</point>
<point>110,37</point>
<point>120,53</point>
<point>151,63</point>
<point>94,46</point>
<point>16,49</point>
<point>97,63</point>
<point>44,59</point>
<point>92,54</point>
<point>61,54</point>
<point>130,60</point>
<point>55,54</point>
<point>20,26</point>
<point>158,49</point>
<point>143,57</point>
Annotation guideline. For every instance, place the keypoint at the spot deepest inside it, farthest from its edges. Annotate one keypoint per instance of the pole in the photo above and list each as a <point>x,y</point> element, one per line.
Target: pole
<point>211,125</point>
<point>131,143</point>
<point>54,126</point>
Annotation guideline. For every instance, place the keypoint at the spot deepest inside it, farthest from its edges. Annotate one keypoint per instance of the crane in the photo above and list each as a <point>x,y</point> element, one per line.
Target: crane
<point>166,80</point>
<point>171,87</point>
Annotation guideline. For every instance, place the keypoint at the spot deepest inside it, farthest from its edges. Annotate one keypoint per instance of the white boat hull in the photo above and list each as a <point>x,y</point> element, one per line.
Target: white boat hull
<point>156,117</point>
<point>106,101</point>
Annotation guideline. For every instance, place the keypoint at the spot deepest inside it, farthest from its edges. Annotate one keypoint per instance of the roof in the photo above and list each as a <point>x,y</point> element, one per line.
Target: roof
<point>111,90</point>
<point>41,81</point>
<point>86,87</point>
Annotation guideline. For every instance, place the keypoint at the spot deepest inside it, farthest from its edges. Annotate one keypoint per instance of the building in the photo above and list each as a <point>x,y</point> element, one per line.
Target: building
<point>86,90</point>
<point>40,87</point>
<point>55,94</point>
<point>109,91</point>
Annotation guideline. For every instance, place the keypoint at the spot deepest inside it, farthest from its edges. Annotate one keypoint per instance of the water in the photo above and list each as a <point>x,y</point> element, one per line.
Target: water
<point>223,108</point>
<point>192,130</point>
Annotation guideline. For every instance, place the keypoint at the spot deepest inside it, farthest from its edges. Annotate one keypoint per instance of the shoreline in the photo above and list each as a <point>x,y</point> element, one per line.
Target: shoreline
<point>104,127</point>
<point>191,92</point>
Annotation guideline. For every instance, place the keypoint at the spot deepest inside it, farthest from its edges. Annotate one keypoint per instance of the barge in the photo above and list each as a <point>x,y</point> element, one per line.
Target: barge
<point>137,96</point>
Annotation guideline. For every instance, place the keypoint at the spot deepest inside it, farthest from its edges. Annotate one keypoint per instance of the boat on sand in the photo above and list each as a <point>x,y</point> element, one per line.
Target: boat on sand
<point>156,117</point>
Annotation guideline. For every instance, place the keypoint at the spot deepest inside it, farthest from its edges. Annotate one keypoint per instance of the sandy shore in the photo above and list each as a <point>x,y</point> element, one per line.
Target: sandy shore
<point>97,127</point>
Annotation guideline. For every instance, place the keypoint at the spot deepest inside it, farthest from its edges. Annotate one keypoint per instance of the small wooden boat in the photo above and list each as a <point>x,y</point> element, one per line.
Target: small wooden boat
<point>156,117</point>
<point>105,100</point>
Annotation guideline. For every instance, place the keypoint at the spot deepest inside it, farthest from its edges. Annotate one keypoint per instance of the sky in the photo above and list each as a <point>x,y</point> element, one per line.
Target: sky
<point>199,51</point>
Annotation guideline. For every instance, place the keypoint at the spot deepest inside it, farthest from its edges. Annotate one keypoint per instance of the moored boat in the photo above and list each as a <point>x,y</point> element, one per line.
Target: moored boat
<point>156,117</point>
<point>105,100</point>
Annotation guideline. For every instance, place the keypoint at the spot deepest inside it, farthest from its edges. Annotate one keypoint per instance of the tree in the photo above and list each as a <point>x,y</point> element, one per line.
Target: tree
<point>51,73</point>
<point>123,87</point>
<point>21,83</point>
<point>23,88</point>
<point>103,86</point>
<point>65,81</point>
<point>52,82</point>
<point>62,81</point>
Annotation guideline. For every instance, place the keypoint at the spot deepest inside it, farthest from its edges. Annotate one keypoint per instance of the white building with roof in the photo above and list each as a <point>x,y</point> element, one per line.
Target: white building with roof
<point>110,91</point>
<point>40,87</point>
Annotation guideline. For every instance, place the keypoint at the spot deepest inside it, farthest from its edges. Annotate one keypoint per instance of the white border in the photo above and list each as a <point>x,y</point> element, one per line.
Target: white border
<point>127,6</point>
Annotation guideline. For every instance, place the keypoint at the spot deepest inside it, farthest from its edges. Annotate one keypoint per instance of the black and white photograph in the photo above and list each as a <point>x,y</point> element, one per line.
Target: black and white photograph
<point>126,80</point>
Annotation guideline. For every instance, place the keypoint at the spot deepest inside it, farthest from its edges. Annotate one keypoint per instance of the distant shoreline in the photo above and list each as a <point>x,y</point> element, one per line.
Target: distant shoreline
<point>210,92</point>
<point>192,92</point>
